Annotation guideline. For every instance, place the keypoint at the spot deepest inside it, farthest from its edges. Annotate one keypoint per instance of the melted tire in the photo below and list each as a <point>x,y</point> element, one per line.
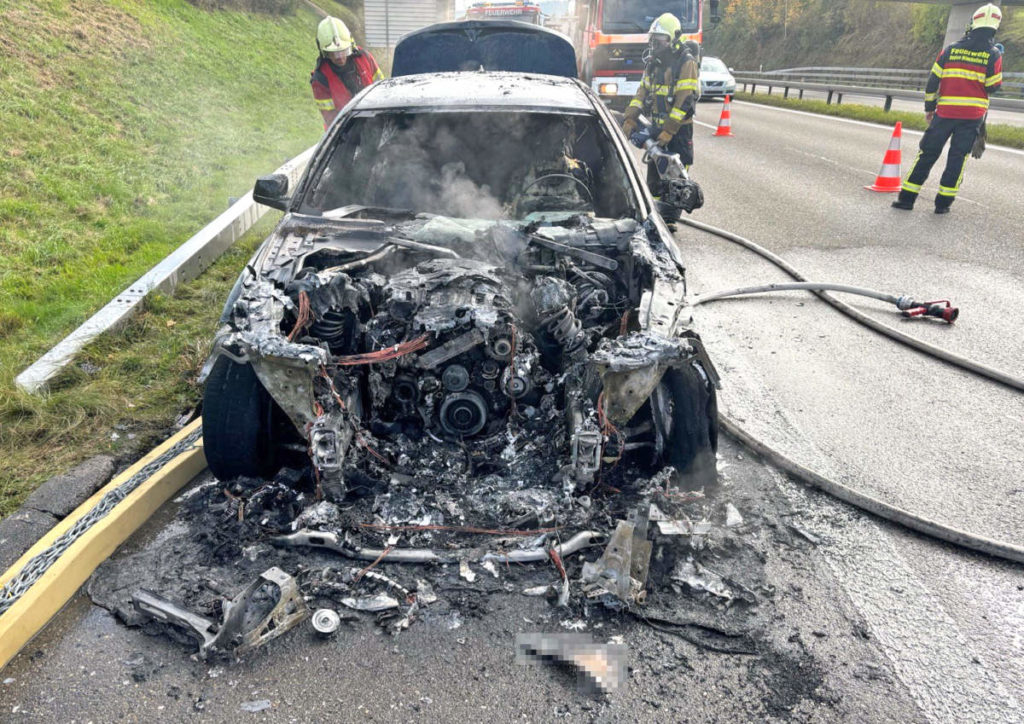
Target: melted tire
<point>692,441</point>
<point>237,423</point>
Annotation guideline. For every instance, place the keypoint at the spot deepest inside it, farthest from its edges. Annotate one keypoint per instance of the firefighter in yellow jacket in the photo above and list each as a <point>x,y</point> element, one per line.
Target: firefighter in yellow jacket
<point>668,93</point>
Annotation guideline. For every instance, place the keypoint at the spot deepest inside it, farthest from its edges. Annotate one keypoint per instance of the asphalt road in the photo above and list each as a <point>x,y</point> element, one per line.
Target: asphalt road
<point>1010,118</point>
<point>863,623</point>
<point>884,419</point>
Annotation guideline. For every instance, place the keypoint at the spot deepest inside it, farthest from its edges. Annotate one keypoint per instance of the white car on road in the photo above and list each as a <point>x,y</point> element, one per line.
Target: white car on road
<point>716,78</point>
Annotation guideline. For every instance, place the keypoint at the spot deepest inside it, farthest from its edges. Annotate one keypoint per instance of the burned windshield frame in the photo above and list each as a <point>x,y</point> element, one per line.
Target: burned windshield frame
<point>448,162</point>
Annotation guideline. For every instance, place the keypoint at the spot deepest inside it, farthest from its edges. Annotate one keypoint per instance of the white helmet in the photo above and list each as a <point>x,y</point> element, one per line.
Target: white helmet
<point>333,35</point>
<point>987,16</point>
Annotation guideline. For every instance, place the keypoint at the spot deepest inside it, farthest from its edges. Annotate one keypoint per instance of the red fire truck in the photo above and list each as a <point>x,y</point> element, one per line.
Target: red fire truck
<point>511,10</point>
<point>611,36</point>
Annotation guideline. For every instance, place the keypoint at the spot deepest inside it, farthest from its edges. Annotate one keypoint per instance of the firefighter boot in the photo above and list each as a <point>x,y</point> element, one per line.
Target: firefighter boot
<point>942,203</point>
<point>905,200</point>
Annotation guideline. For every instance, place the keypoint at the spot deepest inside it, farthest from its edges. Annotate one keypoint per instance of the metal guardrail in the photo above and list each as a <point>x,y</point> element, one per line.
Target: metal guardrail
<point>887,83</point>
<point>181,265</point>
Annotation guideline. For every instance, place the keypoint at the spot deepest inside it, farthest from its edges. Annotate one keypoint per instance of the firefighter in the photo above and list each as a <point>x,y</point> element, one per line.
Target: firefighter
<point>667,94</point>
<point>342,70</point>
<point>963,77</point>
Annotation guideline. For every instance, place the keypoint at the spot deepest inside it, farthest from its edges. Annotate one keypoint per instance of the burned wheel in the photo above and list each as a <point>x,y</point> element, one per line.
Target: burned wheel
<point>691,432</point>
<point>237,423</point>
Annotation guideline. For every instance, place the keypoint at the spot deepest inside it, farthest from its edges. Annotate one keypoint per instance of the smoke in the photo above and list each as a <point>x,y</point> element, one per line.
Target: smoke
<point>464,165</point>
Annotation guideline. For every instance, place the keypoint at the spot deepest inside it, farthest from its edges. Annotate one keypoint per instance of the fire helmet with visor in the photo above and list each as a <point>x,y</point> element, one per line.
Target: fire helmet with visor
<point>987,16</point>
<point>664,32</point>
<point>333,36</point>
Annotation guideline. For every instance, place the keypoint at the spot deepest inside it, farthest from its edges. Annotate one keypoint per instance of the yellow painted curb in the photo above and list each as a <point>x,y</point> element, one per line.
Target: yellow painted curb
<point>58,584</point>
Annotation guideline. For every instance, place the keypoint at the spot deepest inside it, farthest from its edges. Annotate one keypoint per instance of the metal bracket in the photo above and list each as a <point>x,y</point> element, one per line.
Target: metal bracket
<point>228,636</point>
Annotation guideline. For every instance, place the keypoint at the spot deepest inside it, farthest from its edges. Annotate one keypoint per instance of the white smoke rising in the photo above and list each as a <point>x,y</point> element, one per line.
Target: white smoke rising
<point>464,165</point>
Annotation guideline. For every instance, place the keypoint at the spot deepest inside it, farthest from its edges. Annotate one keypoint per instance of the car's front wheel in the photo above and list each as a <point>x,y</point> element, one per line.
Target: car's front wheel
<point>237,423</point>
<point>691,437</point>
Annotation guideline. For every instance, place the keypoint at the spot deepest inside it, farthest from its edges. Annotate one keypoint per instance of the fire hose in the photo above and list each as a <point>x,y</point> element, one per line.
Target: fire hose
<point>942,309</point>
<point>945,355</point>
<point>920,524</point>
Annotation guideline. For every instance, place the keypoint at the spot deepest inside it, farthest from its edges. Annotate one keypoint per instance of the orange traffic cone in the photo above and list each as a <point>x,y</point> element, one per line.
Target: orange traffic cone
<point>725,122</point>
<point>888,179</point>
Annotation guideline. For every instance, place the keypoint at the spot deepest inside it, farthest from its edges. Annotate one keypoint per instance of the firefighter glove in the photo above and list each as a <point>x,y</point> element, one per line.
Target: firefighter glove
<point>664,138</point>
<point>979,142</point>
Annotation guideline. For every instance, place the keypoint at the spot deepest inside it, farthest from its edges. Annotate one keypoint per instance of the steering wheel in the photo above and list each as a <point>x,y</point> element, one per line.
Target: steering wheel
<point>590,196</point>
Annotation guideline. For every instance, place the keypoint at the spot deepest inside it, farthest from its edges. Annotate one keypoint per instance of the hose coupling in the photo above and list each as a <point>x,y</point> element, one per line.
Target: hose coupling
<point>941,309</point>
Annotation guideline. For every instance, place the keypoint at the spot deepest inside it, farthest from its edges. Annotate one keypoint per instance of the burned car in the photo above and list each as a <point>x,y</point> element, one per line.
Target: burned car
<point>471,260</point>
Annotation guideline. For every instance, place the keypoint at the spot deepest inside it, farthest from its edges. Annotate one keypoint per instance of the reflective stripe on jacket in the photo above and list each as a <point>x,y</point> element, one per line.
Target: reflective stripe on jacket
<point>963,77</point>
<point>669,94</point>
<point>334,87</point>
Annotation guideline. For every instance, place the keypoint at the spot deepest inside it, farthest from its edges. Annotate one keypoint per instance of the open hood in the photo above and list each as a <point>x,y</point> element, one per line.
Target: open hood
<point>470,45</point>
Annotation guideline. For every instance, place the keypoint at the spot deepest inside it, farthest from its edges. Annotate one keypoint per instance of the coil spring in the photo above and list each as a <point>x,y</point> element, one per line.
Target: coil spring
<point>592,290</point>
<point>332,327</point>
<point>566,329</point>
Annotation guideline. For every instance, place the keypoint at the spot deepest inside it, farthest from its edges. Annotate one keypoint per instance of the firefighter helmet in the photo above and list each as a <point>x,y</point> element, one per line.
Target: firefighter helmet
<point>333,35</point>
<point>666,24</point>
<point>987,16</point>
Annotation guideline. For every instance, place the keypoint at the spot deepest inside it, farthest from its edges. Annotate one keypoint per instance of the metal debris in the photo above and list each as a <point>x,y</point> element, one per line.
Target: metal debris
<point>538,590</point>
<point>683,527</point>
<point>465,572</point>
<point>733,518</point>
<point>231,635</point>
<point>425,593</point>
<point>325,621</point>
<point>622,569</point>
<point>372,604</point>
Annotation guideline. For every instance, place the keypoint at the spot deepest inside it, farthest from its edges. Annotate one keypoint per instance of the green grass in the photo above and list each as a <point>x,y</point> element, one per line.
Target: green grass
<point>125,127</point>
<point>999,134</point>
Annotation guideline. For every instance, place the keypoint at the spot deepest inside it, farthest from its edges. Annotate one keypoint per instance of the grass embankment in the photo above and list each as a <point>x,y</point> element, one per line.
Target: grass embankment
<point>998,134</point>
<point>125,127</point>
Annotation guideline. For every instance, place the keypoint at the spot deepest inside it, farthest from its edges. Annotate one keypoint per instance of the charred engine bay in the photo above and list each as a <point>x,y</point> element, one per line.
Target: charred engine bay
<point>493,336</point>
<point>451,412</point>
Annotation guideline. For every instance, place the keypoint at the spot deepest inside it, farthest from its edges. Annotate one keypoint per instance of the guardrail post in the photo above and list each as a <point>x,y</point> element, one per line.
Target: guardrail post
<point>839,98</point>
<point>888,103</point>
<point>753,88</point>
<point>801,94</point>
<point>769,90</point>
<point>828,100</point>
<point>785,92</point>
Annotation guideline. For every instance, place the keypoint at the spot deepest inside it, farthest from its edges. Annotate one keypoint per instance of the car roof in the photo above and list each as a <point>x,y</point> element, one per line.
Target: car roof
<point>477,89</point>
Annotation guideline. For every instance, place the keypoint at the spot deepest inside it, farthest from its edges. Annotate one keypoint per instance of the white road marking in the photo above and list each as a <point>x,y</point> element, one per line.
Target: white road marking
<point>861,123</point>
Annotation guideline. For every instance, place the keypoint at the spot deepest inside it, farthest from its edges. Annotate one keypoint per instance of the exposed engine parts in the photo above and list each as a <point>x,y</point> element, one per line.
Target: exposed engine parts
<point>457,332</point>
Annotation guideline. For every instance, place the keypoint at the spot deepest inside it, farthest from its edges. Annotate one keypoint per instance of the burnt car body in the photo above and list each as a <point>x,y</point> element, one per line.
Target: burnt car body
<point>470,258</point>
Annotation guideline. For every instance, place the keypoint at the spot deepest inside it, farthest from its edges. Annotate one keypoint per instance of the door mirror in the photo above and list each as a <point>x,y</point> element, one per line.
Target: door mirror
<point>272,191</point>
